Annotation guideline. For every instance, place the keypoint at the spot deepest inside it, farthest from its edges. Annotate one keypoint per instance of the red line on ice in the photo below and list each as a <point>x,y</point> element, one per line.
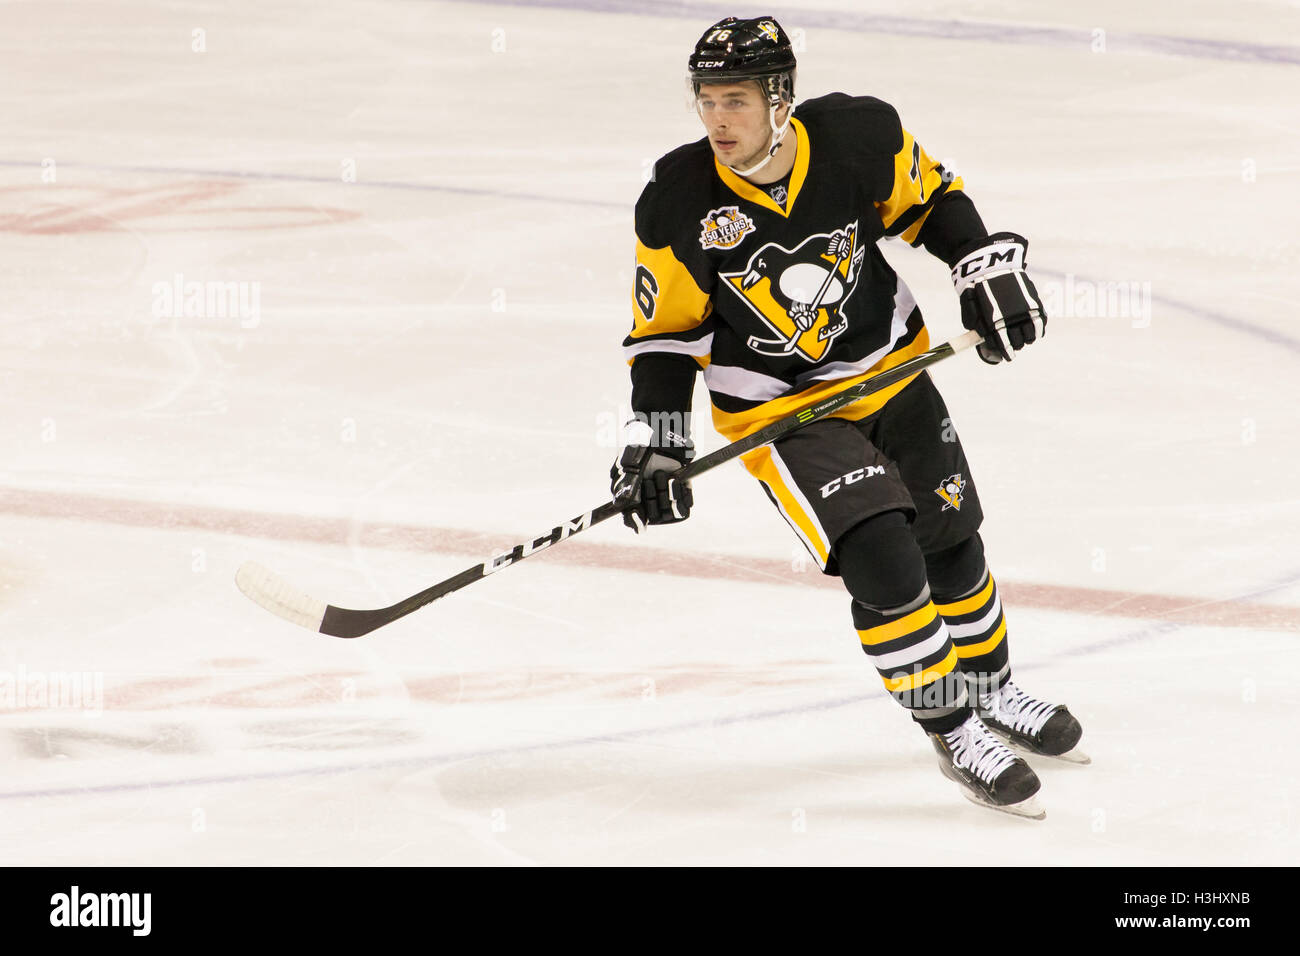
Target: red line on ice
<point>59,210</point>
<point>631,557</point>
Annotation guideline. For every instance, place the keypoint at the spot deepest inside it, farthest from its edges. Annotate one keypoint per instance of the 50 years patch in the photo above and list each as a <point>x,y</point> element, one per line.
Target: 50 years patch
<point>725,228</point>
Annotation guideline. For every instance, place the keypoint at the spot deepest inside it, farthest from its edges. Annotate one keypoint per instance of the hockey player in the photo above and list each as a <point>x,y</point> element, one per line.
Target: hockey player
<point>757,262</point>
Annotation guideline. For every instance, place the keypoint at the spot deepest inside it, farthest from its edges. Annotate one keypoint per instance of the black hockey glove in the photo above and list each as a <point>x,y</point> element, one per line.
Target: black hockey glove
<point>641,480</point>
<point>990,278</point>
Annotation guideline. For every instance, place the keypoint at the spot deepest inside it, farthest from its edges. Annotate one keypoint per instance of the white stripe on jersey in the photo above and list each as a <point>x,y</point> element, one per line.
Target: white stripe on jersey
<point>701,346</point>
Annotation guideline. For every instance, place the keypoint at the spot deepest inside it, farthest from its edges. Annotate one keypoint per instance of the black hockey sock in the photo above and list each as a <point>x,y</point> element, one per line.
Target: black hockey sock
<point>880,562</point>
<point>967,598</point>
<point>900,628</point>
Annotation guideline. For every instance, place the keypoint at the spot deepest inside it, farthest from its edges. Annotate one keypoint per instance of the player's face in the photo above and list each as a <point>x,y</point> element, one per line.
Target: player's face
<point>736,118</point>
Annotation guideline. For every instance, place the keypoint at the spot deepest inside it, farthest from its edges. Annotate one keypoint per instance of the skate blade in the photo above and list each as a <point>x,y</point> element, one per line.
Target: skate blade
<point>1029,808</point>
<point>1075,756</point>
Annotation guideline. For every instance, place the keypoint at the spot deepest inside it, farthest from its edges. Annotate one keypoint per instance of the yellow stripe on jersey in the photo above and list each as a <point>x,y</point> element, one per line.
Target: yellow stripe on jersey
<point>916,177</point>
<point>671,300</point>
<point>747,190</point>
<point>907,624</point>
<point>734,426</point>
<point>972,603</point>
<point>966,651</point>
<point>759,463</point>
<point>928,676</point>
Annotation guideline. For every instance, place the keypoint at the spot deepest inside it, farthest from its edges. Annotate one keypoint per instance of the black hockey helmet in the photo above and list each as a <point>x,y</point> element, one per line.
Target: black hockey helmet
<point>757,49</point>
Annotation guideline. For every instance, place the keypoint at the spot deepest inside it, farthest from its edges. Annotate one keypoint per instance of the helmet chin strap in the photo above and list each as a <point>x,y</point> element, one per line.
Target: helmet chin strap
<point>777,136</point>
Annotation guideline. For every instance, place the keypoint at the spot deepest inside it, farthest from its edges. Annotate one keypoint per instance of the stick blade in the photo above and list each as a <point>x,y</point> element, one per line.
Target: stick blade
<point>265,587</point>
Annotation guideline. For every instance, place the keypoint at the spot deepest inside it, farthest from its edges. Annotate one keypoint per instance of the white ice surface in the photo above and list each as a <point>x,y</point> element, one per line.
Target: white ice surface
<point>437,352</point>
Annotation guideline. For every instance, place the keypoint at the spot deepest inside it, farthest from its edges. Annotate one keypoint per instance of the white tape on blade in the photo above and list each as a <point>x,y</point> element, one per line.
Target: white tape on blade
<point>273,593</point>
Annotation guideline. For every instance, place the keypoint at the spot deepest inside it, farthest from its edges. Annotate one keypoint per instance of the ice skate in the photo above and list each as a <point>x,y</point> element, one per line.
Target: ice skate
<point>987,771</point>
<point>1031,725</point>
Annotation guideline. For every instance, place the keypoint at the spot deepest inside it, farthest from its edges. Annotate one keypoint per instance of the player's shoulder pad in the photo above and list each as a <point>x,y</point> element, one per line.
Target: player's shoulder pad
<point>678,176</point>
<point>869,123</point>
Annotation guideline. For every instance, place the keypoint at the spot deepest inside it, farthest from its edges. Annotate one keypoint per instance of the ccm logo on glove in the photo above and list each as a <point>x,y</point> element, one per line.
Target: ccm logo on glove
<point>1010,256</point>
<point>991,280</point>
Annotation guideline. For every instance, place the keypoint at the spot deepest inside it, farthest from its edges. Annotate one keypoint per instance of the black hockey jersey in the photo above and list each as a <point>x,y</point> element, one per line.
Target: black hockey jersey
<point>783,304</point>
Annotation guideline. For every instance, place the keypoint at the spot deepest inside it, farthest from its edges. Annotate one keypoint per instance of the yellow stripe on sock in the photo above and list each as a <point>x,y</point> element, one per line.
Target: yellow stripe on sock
<point>966,605</point>
<point>983,647</point>
<point>946,666</point>
<point>915,621</point>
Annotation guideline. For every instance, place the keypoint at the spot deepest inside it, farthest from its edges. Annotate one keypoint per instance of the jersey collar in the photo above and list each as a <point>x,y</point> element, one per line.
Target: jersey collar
<point>756,194</point>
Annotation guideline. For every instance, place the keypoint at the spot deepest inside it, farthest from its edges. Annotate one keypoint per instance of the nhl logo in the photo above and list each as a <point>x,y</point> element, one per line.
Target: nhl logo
<point>724,228</point>
<point>950,490</point>
<point>778,195</point>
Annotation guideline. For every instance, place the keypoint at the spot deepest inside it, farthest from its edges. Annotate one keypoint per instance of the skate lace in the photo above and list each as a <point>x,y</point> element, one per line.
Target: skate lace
<point>1013,707</point>
<point>974,748</point>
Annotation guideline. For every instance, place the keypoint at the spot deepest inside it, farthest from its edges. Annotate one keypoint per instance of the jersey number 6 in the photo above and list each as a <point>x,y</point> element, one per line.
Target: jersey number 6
<point>915,173</point>
<point>646,290</point>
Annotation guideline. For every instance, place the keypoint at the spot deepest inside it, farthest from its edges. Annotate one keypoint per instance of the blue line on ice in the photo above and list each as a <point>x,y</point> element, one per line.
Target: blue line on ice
<point>431,760</point>
<point>976,30</point>
<point>1218,318</point>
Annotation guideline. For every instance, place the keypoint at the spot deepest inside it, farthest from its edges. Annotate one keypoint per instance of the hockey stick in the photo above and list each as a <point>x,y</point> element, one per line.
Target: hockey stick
<point>273,593</point>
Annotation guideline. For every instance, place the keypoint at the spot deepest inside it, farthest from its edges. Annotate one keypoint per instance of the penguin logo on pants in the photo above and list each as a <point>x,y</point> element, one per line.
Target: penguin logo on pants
<point>799,293</point>
<point>951,490</point>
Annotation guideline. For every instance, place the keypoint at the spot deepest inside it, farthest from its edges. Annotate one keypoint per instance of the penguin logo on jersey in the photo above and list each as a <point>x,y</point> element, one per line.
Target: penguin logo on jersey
<point>800,293</point>
<point>724,228</point>
<point>950,490</point>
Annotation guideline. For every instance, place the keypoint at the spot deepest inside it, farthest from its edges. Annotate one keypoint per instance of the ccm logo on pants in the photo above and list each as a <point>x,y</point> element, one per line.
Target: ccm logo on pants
<point>856,475</point>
